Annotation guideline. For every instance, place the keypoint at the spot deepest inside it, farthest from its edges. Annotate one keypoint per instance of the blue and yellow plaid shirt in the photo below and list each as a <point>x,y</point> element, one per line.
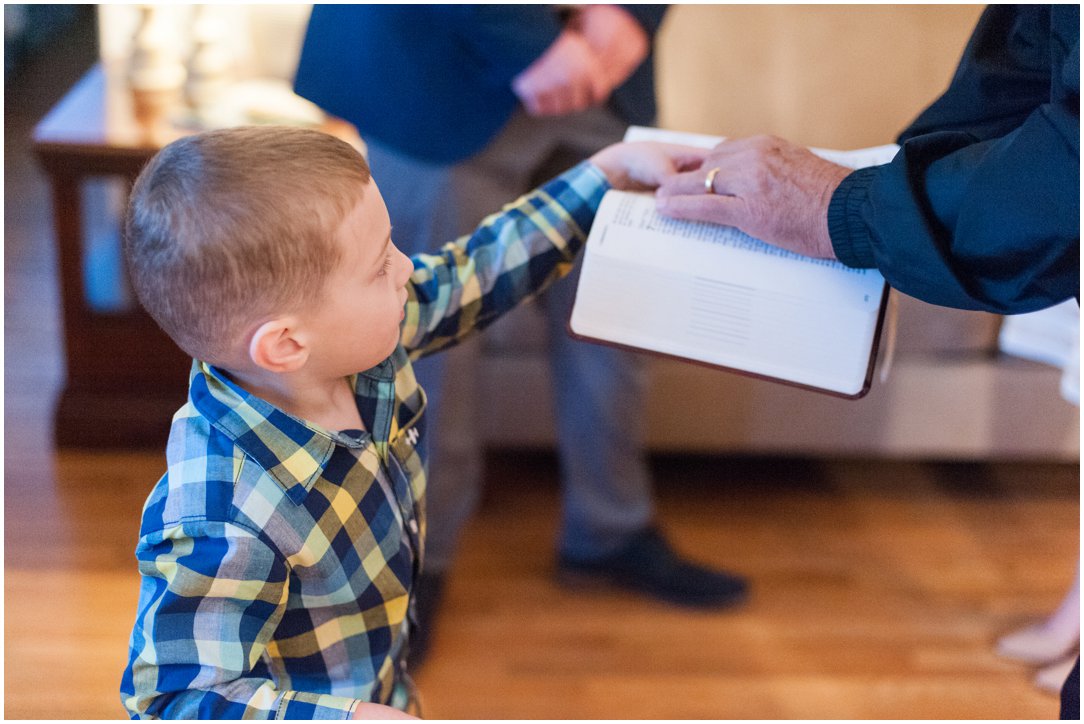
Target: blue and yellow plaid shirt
<point>277,558</point>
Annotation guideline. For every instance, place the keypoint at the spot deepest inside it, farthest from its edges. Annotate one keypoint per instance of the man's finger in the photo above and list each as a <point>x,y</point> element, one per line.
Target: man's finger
<point>689,183</point>
<point>726,210</point>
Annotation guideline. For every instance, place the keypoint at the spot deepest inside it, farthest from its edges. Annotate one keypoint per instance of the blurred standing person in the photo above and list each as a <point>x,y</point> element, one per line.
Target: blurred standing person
<point>490,100</point>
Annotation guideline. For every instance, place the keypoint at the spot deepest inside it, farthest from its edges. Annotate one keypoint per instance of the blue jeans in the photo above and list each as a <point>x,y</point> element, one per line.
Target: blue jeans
<point>598,391</point>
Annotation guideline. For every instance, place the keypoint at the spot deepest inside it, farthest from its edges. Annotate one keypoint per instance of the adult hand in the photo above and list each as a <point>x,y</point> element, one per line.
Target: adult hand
<point>767,187</point>
<point>567,78</point>
<point>618,41</point>
<point>645,164</point>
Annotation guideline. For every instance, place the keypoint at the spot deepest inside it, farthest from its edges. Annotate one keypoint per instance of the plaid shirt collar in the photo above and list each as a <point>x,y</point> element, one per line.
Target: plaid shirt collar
<point>292,450</point>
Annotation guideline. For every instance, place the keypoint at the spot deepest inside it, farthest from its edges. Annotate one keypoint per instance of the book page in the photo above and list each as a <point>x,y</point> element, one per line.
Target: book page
<point>858,158</point>
<point>713,294</point>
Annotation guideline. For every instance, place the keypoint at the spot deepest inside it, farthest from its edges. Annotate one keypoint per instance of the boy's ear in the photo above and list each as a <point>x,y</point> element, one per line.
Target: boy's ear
<point>277,347</point>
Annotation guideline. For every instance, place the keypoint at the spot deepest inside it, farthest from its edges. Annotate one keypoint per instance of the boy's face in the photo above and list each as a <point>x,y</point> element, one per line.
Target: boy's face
<point>356,325</point>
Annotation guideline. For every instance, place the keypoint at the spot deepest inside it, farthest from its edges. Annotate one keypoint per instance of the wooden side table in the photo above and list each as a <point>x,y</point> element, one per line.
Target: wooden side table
<point>125,377</point>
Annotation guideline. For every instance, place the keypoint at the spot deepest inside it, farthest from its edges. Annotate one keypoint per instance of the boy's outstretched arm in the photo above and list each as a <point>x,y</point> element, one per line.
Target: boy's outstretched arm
<point>515,254</point>
<point>380,712</point>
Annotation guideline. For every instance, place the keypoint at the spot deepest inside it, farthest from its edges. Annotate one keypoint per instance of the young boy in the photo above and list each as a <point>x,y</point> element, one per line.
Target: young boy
<point>278,552</point>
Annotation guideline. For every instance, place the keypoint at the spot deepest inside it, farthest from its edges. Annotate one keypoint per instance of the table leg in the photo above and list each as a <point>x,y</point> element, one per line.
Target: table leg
<point>125,378</point>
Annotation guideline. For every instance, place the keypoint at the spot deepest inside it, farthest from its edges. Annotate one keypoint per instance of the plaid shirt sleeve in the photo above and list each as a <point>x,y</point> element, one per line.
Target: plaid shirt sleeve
<point>511,257</point>
<point>213,595</point>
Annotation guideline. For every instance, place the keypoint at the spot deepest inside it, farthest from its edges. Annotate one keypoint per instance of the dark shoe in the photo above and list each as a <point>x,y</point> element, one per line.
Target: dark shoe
<point>646,564</point>
<point>428,591</point>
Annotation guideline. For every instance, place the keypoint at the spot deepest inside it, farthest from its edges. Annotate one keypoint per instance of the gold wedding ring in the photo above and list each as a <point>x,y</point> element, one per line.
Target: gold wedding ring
<point>709,181</point>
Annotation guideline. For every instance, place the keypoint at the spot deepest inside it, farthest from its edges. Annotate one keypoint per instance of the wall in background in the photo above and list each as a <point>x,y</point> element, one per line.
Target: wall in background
<point>832,76</point>
<point>824,75</point>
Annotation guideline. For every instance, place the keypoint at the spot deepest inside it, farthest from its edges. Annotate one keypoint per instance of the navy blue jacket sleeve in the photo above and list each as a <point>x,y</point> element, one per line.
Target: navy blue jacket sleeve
<point>980,209</point>
<point>1004,75</point>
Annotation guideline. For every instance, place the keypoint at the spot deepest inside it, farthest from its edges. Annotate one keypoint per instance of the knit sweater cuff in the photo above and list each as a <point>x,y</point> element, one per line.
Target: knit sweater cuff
<point>851,240</point>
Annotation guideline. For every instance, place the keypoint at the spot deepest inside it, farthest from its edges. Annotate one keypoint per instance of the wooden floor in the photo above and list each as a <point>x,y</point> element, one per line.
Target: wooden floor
<point>877,591</point>
<point>878,587</point>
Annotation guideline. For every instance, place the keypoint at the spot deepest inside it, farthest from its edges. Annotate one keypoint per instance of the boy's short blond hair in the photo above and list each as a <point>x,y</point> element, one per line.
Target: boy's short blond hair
<point>227,228</point>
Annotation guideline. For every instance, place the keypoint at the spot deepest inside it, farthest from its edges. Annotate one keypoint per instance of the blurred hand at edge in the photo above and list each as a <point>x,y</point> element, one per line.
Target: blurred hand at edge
<point>567,78</point>
<point>617,40</point>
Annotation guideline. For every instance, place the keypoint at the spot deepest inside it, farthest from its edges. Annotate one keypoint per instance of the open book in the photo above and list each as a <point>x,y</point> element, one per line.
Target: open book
<point>714,295</point>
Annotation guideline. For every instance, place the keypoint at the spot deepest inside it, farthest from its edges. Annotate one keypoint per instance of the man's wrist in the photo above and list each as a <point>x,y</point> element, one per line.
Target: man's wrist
<point>848,234</point>
<point>831,177</point>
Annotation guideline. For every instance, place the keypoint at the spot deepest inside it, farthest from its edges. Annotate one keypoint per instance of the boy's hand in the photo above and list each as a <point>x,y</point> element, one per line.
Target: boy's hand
<point>644,165</point>
<point>366,710</point>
